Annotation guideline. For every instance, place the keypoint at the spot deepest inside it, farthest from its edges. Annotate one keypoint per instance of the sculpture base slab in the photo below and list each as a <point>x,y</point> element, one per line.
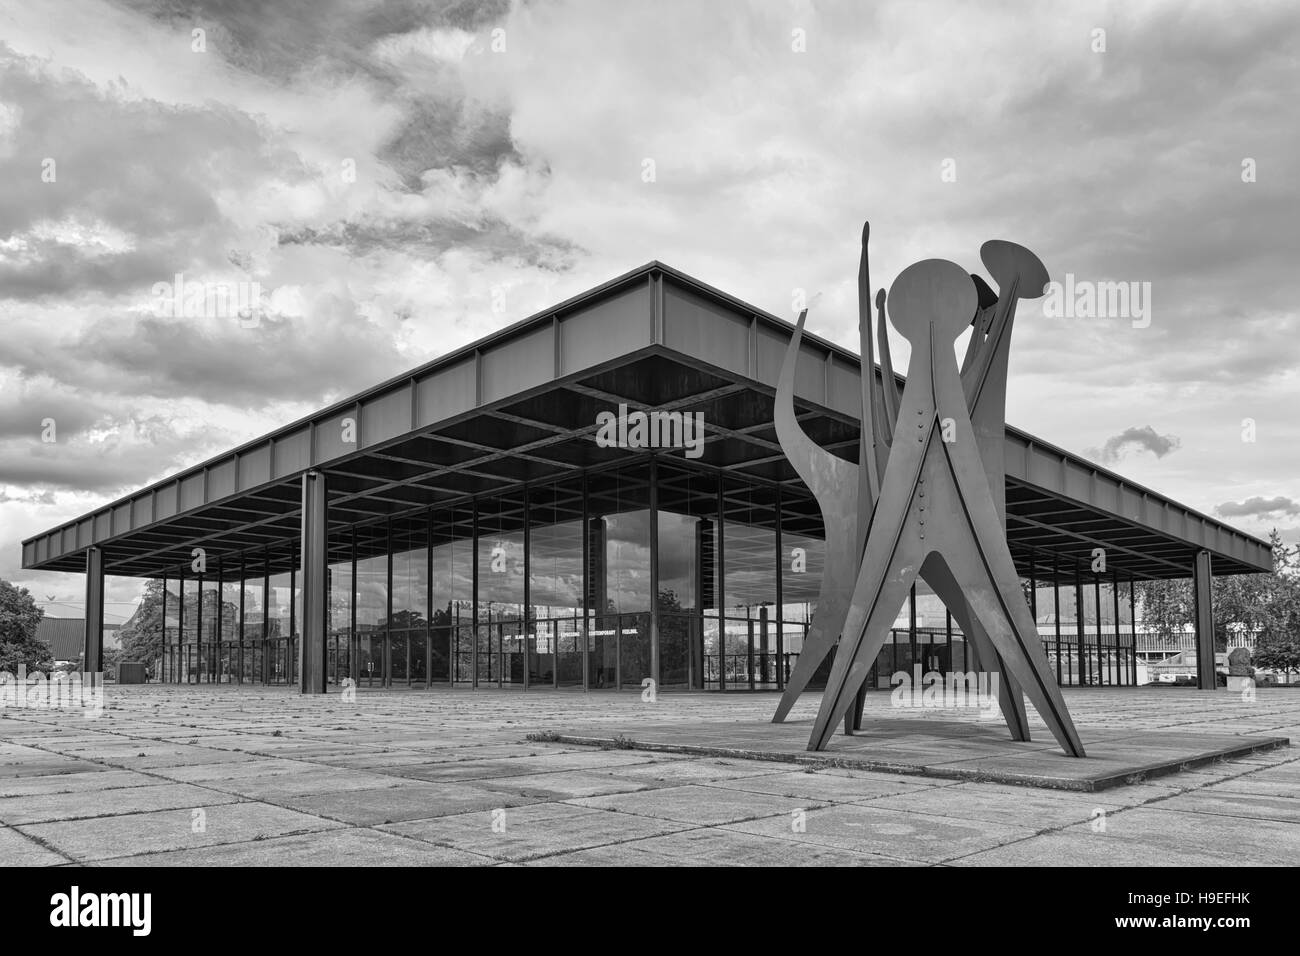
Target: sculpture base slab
<point>960,751</point>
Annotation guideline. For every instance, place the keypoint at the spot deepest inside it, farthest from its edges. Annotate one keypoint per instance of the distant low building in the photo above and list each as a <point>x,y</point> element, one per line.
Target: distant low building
<point>66,637</point>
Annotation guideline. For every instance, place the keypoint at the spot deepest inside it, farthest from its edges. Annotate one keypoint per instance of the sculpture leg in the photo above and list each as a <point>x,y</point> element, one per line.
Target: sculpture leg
<point>1011,699</point>
<point>1014,636</point>
<point>875,607</point>
<point>828,621</point>
<point>853,716</point>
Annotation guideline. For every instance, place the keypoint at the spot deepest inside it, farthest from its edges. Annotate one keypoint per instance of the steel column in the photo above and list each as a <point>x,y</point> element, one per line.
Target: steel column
<point>166,655</point>
<point>93,642</point>
<point>1119,658</point>
<point>1101,656</point>
<point>313,657</point>
<point>1133,629</point>
<point>473,660</point>
<point>221,584</point>
<point>720,560</point>
<point>1056,613</point>
<point>584,632</point>
<point>1202,579</point>
<point>1079,629</point>
<point>654,571</point>
<point>780,595</point>
<point>528,581</point>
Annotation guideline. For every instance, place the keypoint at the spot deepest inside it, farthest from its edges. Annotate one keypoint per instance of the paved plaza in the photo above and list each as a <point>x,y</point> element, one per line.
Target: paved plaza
<point>225,775</point>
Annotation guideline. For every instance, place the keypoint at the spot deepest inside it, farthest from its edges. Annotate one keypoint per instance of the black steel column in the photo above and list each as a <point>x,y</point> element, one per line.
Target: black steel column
<point>93,641</point>
<point>584,634</point>
<point>1119,660</point>
<point>528,583</point>
<point>721,560</point>
<point>221,584</point>
<point>313,656</point>
<point>198,632</point>
<point>1056,613</point>
<point>473,663</point>
<point>1101,656</point>
<point>780,595</point>
<point>1079,625</point>
<point>947,628</point>
<point>266,615</point>
<point>428,603</point>
<point>654,571</point>
<point>1133,629</point>
<point>1202,579</point>
<point>911,625</point>
<point>180,626</point>
<point>242,571</point>
<point>354,642</point>
<point>166,668</point>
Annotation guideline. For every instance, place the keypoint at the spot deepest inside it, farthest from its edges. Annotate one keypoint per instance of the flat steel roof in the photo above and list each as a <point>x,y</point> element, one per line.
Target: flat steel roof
<point>519,406</point>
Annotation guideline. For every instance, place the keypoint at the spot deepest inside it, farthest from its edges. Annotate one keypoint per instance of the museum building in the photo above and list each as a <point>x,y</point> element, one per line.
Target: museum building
<point>590,498</point>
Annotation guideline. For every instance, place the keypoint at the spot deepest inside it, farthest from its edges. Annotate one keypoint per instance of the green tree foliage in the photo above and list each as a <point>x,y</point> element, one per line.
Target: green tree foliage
<point>1266,604</point>
<point>141,637</point>
<point>1278,653</point>
<point>19,618</point>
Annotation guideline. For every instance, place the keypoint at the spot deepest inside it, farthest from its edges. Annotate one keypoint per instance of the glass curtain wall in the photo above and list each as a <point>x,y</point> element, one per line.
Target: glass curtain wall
<point>802,563</point>
<point>338,632</point>
<point>189,630</point>
<point>252,637</point>
<point>688,577</point>
<point>618,577</point>
<point>501,591</point>
<point>555,618</point>
<point>451,571</point>
<point>370,640</point>
<point>228,671</point>
<point>409,622</point>
<point>749,585</point>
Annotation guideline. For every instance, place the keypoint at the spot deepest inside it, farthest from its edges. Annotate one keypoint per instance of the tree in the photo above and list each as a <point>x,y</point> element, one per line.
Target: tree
<point>19,619</point>
<point>1278,653</point>
<point>1165,606</point>
<point>1267,603</point>
<point>142,636</point>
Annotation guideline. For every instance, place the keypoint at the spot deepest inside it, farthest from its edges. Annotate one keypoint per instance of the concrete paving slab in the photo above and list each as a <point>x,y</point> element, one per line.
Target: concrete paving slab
<point>1248,806</point>
<point>172,830</point>
<point>729,847</point>
<point>94,805</point>
<point>890,833</point>
<point>343,847</point>
<point>92,779</point>
<point>532,832</point>
<point>423,759</point>
<point>18,849</point>
<point>696,804</point>
<point>850,787</point>
<point>408,801</point>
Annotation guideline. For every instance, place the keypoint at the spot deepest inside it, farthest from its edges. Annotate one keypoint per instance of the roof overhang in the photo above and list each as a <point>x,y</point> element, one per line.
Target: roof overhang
<point>520,406</point>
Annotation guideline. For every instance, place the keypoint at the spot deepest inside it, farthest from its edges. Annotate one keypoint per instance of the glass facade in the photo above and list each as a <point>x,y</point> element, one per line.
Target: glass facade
<point>656,571</point>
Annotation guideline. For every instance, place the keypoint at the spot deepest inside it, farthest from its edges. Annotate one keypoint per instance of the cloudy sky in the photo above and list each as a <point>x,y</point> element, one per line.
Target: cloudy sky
<point>401,177</point>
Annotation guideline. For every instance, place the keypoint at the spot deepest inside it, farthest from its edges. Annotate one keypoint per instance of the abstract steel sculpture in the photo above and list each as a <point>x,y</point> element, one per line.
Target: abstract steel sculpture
<point>929,460</point>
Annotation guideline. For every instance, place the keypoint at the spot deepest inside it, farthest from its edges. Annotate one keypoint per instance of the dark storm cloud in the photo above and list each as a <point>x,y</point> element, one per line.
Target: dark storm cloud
<point>334,351</point>
<point>1259,507</point>
<point>283,39</point>
<point>133,452</point>
<point>492,239</point>
<point>132,197</point>
<point>1143,438</point>
<point>445,132</point>
<point>22,412</point>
